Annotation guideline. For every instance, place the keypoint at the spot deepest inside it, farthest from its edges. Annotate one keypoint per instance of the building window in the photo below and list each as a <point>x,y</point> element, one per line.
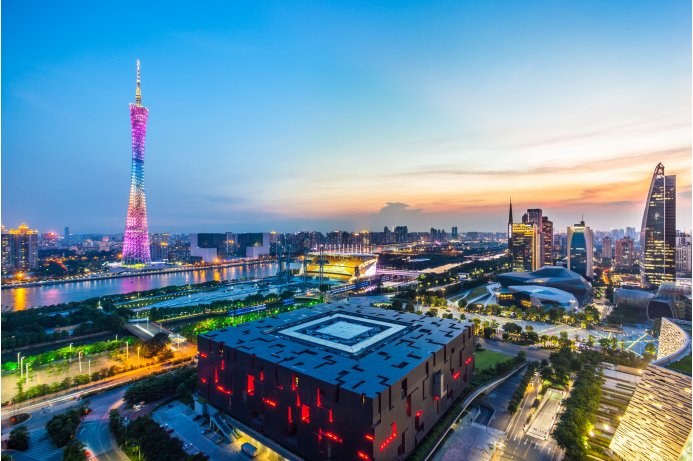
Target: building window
<point>305,413</point>
<point>251,385</point>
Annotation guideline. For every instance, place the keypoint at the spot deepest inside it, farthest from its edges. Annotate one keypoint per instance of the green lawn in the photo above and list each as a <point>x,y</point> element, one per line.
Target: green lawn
<point>682,366</point>
<point>487,359</point>
<point>476,292</point>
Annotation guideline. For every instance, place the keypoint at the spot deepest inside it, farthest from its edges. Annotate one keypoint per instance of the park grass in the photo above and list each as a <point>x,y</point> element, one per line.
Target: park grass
<point>488,359</point>
<point>682,366</point>
<point>476,292</point>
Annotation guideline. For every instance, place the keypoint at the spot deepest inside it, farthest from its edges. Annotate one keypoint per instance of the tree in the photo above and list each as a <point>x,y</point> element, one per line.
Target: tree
<point>397,304</point>
<point>512,328</point>
<point>74,451</point>
<point>62,427</point>
<point>155,345</point>
<point>19,439</point>
<point>462,304</point>
<point>651,349</point>
<point>488,332</point>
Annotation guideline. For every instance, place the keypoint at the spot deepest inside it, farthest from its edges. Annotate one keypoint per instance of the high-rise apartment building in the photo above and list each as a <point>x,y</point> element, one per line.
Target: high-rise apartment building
<point>19,249</point>
<point>607,248</point>
<point>136,251</point>
<point>630,232</point>
<point>454,235</point>
<point>658,235</point>
<point>581,250</point>
<point>623,255</point>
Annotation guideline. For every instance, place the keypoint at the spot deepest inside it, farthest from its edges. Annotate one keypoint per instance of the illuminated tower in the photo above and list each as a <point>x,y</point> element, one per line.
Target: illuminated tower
<point>658,236</point>
<point>136,242</point>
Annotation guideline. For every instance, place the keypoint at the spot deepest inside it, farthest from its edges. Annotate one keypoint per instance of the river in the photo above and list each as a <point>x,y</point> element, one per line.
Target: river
<point>28,297</point>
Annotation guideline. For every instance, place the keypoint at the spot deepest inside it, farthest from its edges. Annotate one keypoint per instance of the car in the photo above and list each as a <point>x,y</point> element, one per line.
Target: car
<point>169,431</point>
<point>137,407</point>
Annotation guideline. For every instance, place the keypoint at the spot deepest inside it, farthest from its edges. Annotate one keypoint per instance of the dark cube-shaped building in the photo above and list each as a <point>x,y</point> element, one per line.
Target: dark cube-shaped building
<point>338,382</point>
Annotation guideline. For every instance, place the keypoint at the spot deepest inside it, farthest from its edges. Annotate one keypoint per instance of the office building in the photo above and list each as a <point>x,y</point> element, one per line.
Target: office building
<point>623,255</point>
<point>658,235</point>
<point>683,253</point>
<point>657,423</point>
<point>454,234</point>
<point>209,247</point>
<point>525,247</point>
<point>136,251</point>
<point>547,237</point>
<point>251,244</point>
<point>581,250</point>
<point>19,249</point>
<point>337,382</point>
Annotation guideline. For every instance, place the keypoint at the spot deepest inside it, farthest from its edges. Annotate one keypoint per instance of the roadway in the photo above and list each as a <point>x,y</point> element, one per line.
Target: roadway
<point>517,445</point>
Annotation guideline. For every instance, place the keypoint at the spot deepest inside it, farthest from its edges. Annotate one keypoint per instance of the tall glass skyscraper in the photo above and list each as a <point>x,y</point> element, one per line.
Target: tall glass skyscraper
<point>658,234</point>
<point>136,243</point>
<point>581,250</point>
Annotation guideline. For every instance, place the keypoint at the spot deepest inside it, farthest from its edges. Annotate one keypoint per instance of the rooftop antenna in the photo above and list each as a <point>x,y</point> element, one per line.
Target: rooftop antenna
<point>138,91</point>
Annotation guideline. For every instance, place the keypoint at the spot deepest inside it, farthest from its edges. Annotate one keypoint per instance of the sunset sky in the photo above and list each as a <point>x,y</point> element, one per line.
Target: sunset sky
<point>322,115</point>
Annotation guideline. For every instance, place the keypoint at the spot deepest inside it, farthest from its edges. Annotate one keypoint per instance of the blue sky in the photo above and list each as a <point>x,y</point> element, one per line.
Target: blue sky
<point>300,115</point>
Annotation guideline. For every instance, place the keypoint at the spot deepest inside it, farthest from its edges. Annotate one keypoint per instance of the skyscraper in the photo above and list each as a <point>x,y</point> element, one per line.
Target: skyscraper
<point>136,242</point>
<point>510,229</point>
<point>581,249</point>
<point>658,234</point>
<point>525,247</point>
<point>547,236</point>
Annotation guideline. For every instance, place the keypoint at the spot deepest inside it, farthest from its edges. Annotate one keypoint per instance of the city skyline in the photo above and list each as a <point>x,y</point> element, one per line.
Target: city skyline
<point>263,123</point>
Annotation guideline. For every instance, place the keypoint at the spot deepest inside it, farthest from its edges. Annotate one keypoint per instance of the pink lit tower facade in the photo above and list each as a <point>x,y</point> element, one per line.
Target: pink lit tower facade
<point>136,242</point>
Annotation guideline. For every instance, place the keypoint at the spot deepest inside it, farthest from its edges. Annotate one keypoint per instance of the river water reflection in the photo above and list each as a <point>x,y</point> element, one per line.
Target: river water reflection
<point>25,298</point>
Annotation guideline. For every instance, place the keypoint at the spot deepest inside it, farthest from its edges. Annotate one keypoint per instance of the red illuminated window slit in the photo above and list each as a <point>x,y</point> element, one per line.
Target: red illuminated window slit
<point>468,361</point>
<point>317,399</point>
<point>222,390</point>
<point>333,437</point>
<point>204,380</point>
<point>305,413</point>
<point>222,365</point>
<point>203,355</point>
<point>456,375</point>
<point>419,413</point>
<point>216,375</point>
<point>290,416</point>
<point>369,437</point>
<point>269,402</point>
<point>329,416</point>
<point>251,385</point>
<point>392,437</point>
<point>262,375</point>
<point>363,456</point>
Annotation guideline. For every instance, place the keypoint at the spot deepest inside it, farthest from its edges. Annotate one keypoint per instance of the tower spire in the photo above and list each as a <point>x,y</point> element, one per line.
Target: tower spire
<point>510,213</point>
<point>138,91</point>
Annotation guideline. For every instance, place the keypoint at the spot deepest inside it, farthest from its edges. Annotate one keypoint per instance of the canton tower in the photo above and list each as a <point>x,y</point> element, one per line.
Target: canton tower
<point>136,242</point>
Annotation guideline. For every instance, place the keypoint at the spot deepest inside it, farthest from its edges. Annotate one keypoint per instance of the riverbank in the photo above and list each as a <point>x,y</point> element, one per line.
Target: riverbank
<point>144,272</point>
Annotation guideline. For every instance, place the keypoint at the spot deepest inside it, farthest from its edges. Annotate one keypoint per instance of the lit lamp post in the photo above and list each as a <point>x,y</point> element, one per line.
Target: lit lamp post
<point>27,372</point>
<point>79,357</point>
<point>89,361</point>
<point>19,362</point>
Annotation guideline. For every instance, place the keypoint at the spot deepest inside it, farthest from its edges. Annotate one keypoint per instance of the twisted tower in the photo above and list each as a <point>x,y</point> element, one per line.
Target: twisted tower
<point>136,242</point>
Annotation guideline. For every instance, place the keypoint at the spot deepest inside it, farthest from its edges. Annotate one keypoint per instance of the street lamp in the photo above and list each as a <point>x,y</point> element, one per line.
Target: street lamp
<point>89,367</point>
<point>79,357</point>
<point>18,363</point>
<point>21,364</point>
